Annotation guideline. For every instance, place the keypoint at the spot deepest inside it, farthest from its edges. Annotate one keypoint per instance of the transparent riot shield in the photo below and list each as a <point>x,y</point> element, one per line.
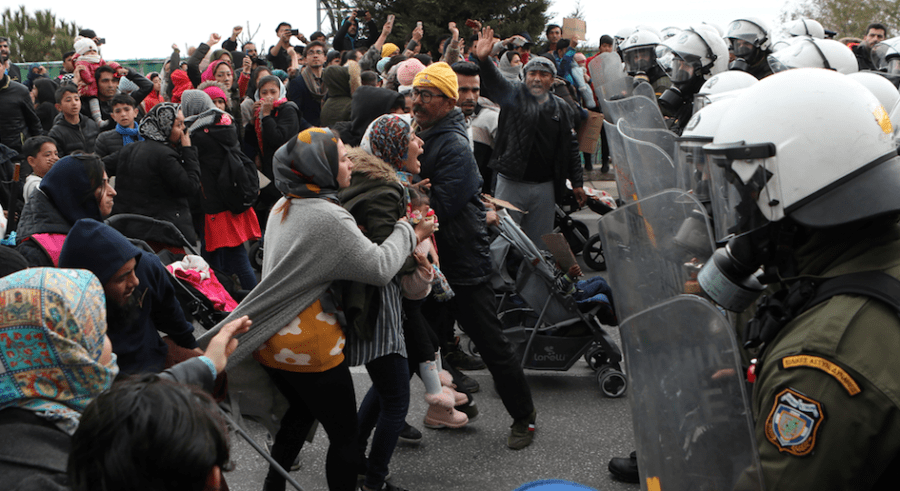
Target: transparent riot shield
<point>642,87</point>
<point>640,111</point>
<point>624,182</point>
<point>661,137</point>
<point>651,169</point>
<point>692,421</point>
<point>654,249</point>
<point>605,68</point>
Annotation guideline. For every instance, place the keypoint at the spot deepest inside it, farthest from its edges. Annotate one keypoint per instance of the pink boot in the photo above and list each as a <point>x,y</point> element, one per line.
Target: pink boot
<point>441,417</point>
<point>446,379</point>
<point>446,398</point>
<point>458,397</point>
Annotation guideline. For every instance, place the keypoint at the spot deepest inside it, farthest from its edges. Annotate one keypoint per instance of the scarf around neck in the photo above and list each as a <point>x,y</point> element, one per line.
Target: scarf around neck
<point>129,135</point>
<point>315,84</point>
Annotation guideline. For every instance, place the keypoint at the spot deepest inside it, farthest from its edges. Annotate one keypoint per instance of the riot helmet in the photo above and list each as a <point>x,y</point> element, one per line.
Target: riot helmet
<point>779,146</point>
<point>689,59</point>
<point>748,39</point>
<point>881,88</point>
<point>807,27</point>
<point>722,86</point>
<point>886,56</point>
<point>639,51</point>
<point>668,32</point>
<point>807,52</point>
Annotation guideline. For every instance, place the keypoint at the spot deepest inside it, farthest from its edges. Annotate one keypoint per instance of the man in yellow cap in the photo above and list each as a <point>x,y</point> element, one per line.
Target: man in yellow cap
<point>450,166</point>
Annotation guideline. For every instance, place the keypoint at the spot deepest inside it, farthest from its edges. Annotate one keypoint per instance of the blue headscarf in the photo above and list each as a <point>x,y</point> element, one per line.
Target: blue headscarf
<point>70,184</point>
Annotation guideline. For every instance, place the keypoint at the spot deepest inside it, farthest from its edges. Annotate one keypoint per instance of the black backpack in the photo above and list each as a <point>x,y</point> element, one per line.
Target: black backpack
<point>238,182</point>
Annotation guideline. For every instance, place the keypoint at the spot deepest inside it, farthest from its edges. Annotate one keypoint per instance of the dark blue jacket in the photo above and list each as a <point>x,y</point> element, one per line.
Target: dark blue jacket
<point>299,94</point>
<point>462,241</point>
<point>102,250</point>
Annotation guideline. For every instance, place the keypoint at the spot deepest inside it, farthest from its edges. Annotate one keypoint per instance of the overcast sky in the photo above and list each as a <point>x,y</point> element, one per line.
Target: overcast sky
<point>150,30</point>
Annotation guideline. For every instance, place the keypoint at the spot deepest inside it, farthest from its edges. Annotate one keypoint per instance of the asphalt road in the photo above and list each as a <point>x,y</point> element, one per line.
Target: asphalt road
<point>578,431</point>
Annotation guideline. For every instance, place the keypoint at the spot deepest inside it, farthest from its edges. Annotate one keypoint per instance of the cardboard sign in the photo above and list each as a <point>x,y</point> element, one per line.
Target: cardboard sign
<point>589,133</point>
<point>559,247</point>
<point>576,27</point>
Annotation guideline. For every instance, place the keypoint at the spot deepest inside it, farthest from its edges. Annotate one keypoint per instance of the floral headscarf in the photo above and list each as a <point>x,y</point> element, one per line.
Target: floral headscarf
<point>388,139</point>
<point>307,166</point>
<point>52,327</point>
<point>157,124</point>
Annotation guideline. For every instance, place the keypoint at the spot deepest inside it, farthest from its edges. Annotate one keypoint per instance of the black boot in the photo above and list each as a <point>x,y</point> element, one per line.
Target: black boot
<point>625,469</point>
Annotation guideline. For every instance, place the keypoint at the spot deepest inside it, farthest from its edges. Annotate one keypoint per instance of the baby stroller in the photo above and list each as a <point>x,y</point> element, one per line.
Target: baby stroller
<point>549,328</point>
<point>169,244</point>
<point>577,233</point>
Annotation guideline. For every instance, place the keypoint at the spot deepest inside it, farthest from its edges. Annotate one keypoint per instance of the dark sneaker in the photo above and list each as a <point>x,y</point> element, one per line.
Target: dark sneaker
<point>625,469</point>
<point>463,361</point>
<point>470,410</point>
<point>605,167</point>
<point>522,432</point>
<point>463,382</point>
<point>410,435</point>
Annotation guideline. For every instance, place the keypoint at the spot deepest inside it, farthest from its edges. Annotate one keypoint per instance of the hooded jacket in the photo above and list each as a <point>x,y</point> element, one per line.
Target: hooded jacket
<point>155,179</point>
<point>516,128</point>
<point>102,250</point>
<point>448,162</point>
<point>18,121</point>
<point>366,105</point>
<point>340,83</point>
<point>376,200</point>
<point>71,137</point>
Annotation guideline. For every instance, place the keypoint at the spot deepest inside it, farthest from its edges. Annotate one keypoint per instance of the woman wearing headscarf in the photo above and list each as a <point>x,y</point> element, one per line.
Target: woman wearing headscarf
<point>61,361</point>
<point>311,242</point>
<point>247,108</point>
<point>215,137</point>
<point>275,121</point>
<point>221,71</point>
<point>377,199</point>
<point>75,187</point>
<point>43,92</point>
<point>158,176</point>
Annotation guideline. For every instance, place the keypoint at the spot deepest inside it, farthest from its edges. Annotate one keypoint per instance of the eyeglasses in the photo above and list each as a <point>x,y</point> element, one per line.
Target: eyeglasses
<point>425,95</point>
<point>315,52</point>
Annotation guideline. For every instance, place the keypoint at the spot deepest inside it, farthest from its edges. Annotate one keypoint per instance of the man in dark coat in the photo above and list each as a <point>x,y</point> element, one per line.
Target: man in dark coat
<point>140,299</point>
<point>463,241</point>
<point>19,121</point>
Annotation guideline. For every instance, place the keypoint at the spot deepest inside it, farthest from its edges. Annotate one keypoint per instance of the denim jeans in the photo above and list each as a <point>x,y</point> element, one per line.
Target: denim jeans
<point>233,260</point>
<point>384,408</point>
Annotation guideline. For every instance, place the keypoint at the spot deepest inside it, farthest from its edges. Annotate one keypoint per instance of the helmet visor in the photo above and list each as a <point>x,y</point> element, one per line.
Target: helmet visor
<point>745,36</point>
<point>736,187</point>
<point>677,68</point>
<point>741,48</point>
<point>692,168</point>
<point>777,65</point>
<point>882,56</point>
<point>640,59</point>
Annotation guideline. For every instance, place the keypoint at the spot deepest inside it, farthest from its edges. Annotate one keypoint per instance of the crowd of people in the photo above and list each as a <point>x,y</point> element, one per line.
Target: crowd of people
<point>358,170</point>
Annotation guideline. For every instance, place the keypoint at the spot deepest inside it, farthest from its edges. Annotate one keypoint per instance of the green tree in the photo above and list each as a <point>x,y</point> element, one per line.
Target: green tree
<point>848,17</point>
<point>507,17</point>
<point>37,37</point>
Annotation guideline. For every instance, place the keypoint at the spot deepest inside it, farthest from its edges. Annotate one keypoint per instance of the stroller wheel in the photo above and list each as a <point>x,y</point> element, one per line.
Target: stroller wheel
<point>576,235</point>
<point>612,381</point>
<point>595,357</point>
<point>593,254</point>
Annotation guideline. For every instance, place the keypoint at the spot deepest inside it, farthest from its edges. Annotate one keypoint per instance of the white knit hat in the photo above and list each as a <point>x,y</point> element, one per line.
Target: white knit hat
<point>83,45</point>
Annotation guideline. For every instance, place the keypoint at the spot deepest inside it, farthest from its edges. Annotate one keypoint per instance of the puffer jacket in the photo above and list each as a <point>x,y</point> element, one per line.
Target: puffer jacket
<point>516,129</point>
<point>448,162</point>
<point>71,137</point>
<point>155,179</point>
<point>18,121</point>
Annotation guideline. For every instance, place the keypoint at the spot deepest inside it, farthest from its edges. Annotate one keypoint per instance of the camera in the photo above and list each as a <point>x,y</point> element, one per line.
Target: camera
<point>295,32</point>
<point>361,13</point>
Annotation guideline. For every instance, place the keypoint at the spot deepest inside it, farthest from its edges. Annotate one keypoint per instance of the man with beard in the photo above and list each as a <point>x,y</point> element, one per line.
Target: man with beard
<point>307,90</point>
<point>481,118</point>
<point>140,300</point>
<point>450,167</point>
<point>536,149</point>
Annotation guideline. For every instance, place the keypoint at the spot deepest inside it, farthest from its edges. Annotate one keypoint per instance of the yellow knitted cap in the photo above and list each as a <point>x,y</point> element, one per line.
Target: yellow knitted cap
<point>389,49</point>
<point>440,76</point>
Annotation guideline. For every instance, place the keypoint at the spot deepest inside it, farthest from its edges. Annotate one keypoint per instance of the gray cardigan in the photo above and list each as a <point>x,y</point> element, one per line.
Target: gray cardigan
<point>317,243</point>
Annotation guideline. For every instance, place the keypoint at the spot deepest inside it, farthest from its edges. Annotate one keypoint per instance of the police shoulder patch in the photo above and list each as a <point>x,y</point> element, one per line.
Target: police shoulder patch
<point>793,423</point>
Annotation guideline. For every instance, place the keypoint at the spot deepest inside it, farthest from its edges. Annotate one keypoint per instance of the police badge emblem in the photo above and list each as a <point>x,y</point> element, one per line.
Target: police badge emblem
<point>793,423</point>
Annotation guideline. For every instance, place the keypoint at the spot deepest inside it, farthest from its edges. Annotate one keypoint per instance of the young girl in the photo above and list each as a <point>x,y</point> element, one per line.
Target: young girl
<point>87,61</point>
